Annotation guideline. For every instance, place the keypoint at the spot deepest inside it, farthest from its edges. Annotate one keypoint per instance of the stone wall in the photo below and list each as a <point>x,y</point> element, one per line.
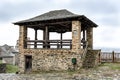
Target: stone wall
<point>91,59</point>
<point>2,68</point>
<point>46,60</point>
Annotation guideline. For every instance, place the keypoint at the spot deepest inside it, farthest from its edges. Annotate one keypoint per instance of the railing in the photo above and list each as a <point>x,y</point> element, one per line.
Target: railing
<point>49,44</point>
<point>110,57</point>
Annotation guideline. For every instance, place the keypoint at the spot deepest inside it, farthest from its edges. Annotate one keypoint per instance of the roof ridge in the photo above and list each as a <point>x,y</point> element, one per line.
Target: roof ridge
<point>60,10</point>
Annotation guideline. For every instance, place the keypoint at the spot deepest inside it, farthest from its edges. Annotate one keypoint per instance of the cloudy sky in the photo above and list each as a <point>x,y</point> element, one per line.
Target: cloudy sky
<point>105,13</point>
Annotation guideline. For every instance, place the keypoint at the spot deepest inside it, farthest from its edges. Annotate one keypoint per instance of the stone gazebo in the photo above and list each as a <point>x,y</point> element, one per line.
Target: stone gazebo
<point>62,54</point>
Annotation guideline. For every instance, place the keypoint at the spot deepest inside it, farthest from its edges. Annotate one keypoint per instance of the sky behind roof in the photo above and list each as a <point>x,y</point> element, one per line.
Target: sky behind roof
<point>105,13</point>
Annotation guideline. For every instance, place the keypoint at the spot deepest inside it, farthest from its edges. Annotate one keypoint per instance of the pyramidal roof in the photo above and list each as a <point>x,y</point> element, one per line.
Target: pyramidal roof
<point>56,14</point>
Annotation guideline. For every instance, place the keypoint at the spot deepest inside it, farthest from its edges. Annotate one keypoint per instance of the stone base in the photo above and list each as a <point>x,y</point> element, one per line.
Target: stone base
<point>46,60</point>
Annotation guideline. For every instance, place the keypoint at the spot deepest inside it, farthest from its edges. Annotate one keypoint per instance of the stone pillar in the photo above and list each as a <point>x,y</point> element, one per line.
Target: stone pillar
<point>90,37</point>
<point>76,35</point>
<point>22,37</point>
<point>22,45</point>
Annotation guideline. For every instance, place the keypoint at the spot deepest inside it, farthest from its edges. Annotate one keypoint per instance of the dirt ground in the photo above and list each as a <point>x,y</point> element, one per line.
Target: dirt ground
<point>107,71</point>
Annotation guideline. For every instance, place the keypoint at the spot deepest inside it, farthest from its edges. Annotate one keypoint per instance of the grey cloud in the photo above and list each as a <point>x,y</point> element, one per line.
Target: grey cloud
<point>109,21</point>
<point>10,11</point>
<point>101,7</point>
<point>95,6</point>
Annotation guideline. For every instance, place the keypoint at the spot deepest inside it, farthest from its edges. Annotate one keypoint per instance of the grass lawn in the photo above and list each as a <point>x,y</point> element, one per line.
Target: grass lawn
<point>12,68</point>
<point>112,66</point>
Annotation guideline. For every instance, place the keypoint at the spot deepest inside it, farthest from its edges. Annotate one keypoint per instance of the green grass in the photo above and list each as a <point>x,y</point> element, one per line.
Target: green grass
<point>12,68</point>
<point>112,66</point>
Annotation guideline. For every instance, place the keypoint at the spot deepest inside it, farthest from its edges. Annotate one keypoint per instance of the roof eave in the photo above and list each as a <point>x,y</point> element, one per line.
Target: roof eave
<point>93,24</point>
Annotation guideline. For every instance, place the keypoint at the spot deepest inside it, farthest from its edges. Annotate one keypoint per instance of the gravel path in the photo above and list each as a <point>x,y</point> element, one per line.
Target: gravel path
<point>103,73</point>
<point>62,76</point>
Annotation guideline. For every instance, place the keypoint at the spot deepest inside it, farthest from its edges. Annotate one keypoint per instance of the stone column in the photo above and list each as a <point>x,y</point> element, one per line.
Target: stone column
<point>76,35</point>
<point>90,37</point>
<point>22,37</point>
<point>22,45</point>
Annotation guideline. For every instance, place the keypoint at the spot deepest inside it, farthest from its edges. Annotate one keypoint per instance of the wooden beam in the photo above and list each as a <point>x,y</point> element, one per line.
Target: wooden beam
<point>84,43</point>
<point>61,36</point>
<point>35,46</point>
<point>52,23</point>
<point>46,36</point>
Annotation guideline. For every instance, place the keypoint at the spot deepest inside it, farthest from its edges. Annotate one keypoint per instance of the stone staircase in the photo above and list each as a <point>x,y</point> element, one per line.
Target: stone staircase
<point>91,59</point>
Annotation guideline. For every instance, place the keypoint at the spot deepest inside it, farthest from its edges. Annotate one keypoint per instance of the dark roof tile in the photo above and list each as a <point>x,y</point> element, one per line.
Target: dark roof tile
<point>56,14</point>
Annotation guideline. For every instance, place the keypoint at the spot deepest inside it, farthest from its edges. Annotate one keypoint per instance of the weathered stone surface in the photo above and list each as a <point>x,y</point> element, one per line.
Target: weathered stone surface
<point>55,59</point>
<point>45,60</point>
<point>76,35</point>
<point>91,59</point>
<point>50,59</point>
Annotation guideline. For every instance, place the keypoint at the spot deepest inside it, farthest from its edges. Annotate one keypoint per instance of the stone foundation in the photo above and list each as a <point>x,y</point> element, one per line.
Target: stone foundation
<point>46,60</point>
